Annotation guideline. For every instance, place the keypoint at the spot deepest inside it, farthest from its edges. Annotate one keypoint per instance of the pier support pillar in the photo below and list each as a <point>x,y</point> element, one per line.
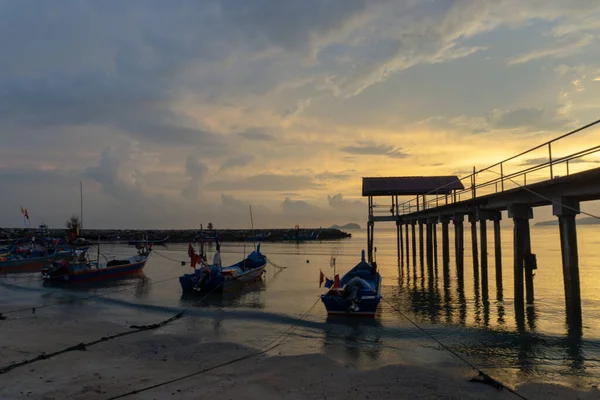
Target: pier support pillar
<point>483,216</point>
<point>430,228</point>
<point>521,214</point>
<point>459,237</point>
<point>473,221</point>
<point>498,255</point>
<point>406,244</point>
<point>421,249</point>
<point>566,210</point>
<point>414,243</point>
<point>445,220</point>
<point>399,240</point>
<point>435,245</point>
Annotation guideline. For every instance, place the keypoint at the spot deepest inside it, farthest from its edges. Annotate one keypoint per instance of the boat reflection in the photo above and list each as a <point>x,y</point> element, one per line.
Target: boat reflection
<point>247,295</point>
<point>354,337</point>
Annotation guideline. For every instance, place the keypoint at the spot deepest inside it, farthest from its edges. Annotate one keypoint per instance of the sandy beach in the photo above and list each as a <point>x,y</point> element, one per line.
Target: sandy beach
<point>190,344</point>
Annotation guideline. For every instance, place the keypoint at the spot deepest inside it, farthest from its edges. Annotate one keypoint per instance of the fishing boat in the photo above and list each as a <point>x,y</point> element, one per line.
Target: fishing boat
<point>80,269</point>
<point>357,293</point>
<point>25,260</point>
<point>213,278</point>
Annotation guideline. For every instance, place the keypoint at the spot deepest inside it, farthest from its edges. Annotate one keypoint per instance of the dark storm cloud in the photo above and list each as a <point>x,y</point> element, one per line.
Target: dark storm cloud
<point>374,149</point>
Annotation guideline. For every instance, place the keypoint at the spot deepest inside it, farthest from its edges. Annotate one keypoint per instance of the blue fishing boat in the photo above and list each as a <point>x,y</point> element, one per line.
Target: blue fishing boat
<point>14,261</point>
<point>80,269</point>
<point>357,293</point>
<point>213,278</point>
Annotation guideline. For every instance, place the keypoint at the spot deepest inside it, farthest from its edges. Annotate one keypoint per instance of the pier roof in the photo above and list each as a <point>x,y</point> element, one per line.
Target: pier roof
<point>410,185</point>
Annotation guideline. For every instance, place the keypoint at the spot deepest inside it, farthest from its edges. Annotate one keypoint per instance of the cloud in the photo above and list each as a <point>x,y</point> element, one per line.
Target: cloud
<point>338,202</point>
<point>531,118</point>
<point>256,134</point>
<point>300,106</point>
<point>298,207</point>
<point>265,182</point>
<point>567,49</point>
<point>237,161</point>
<point>542,160</point>
<point>372,148</point>
<point>336,176</point>
<point>196,171</point>
<point>117,180</point>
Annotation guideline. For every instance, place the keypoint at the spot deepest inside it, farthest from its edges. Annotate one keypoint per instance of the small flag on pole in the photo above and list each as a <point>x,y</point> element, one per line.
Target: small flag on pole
<point>25,215</point>
<point>321,278</point>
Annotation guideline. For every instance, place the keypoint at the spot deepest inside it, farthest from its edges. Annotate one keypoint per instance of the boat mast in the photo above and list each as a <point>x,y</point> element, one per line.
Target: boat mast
<point>81,207</point>
<point>252,224</point>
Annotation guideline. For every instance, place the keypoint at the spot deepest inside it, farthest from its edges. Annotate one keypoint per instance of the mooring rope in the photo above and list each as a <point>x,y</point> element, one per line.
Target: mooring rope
<point>278,341</point>
<point>183,262</point>
<point>484,378</point>
<point>273,264</point>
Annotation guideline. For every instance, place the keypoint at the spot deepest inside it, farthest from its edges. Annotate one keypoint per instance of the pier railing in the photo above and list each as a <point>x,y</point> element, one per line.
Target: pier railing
<point>541,163</point>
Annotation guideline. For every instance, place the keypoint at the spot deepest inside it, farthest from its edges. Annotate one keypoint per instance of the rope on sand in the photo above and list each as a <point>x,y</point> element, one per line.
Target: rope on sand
<point>278,341</point>
<point>84,346</point>
<point>482,378</point>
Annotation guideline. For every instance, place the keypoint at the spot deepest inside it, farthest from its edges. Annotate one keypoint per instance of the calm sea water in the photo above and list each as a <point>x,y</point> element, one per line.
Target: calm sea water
<point>487,333</point>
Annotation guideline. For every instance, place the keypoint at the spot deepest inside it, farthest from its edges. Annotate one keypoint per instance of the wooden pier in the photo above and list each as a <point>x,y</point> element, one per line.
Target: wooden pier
<point>439,200</point>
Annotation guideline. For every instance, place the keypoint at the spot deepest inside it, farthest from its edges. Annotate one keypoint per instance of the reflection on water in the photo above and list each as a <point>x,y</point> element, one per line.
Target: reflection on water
<point>357,337</point>
<point>446,297</point>
<point>523,344</point>
<point>235,295</point>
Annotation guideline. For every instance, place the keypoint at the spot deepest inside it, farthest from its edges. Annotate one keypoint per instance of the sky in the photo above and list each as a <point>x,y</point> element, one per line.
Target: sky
<point>183,112</point>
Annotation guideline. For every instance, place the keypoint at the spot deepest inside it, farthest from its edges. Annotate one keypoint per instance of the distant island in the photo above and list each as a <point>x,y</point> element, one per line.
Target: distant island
<point>348,227</point>
<point>579,221</point>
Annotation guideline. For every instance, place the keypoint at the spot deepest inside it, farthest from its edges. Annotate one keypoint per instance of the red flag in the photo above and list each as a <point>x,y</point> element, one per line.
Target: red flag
<point>336,281</point>
<point>321,278</point>
<point>194,259</point>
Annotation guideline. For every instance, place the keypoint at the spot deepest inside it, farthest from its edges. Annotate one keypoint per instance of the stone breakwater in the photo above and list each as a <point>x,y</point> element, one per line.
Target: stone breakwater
<point>186,235</point>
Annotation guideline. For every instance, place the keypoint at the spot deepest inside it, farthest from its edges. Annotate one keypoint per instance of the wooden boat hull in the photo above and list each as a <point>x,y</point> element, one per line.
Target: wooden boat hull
<point>30,264</point>
<point>220,283</point>
<point>367,308</point>
<point>34,264</point>
<point>100,274</point>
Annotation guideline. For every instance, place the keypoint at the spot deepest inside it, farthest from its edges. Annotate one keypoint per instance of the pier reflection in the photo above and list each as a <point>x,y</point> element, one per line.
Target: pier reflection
<point>493,330</point>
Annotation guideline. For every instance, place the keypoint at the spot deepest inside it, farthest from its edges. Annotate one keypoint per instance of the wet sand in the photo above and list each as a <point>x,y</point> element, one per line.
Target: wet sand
<point>193,343</point>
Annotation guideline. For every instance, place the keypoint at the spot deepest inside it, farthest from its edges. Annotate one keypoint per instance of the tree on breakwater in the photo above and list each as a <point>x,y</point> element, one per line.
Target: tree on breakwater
<point>72,222</point>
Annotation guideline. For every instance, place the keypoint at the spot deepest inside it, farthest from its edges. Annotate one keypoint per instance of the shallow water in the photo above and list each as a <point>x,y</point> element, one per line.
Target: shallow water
<point>486,333</point>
